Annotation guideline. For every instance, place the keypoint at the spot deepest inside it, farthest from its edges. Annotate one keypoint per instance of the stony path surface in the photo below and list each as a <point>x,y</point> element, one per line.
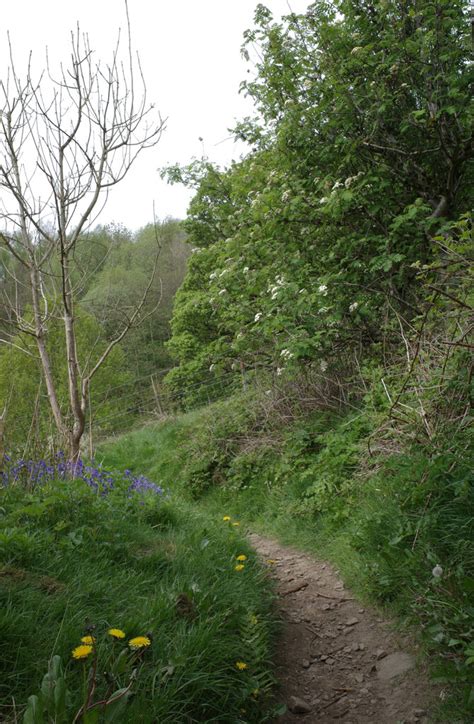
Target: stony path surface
<point>338,661</point>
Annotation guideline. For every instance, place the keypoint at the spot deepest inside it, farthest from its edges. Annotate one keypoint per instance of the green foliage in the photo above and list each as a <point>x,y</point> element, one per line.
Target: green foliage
<point>50,704</point>
<point>332,271</point>
<point>111,271</point>
<point>121,279</point>
<point>327,306</point>
<point>28,421</point>
<point>309,247</point>
<point>335,262</point>
<point>157,568</point>
<point>343,486</point>
<point>116,663</point>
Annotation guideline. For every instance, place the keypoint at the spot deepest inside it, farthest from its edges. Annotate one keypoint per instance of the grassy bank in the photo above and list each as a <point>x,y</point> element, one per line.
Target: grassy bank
<point>76,563</point>
<point>398,524</point>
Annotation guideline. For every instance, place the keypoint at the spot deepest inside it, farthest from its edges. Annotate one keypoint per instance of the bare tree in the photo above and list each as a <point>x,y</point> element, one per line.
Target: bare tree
<point>65,141</point>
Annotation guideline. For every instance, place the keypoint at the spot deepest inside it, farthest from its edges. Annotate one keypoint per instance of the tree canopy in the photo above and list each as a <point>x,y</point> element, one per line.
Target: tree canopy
<point>361,163</point>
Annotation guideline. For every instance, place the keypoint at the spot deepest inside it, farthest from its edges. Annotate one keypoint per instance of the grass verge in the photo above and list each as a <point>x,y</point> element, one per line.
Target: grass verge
<point>75,563</point>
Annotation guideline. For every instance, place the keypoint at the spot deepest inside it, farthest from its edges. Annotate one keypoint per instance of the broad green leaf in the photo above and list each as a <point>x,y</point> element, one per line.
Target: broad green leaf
<point>116,705</point>
<point>60,698</point>
<point>34,711</point>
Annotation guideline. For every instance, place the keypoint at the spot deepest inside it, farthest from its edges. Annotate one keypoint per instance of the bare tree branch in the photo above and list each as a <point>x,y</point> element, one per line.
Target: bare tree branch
<point>65,140</point>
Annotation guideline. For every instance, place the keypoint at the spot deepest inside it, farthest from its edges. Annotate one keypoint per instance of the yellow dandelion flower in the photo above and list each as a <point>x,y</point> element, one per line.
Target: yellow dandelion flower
<point>226,517</point>
<point>240,665</point>
<point>239,567</point>
<point>89,640</point>
<point>241,558</point>
<point>117,633</point>
<point>236,524</point>
<point>81,652</point>
<point>139,642</point>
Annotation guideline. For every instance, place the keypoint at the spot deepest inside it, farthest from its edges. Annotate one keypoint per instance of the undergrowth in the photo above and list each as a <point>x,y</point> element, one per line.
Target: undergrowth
<point>388,518</point>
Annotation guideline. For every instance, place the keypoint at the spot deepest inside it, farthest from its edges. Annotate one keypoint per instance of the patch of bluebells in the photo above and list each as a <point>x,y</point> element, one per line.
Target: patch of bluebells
<point>141,484</point>
<point>34,473</point>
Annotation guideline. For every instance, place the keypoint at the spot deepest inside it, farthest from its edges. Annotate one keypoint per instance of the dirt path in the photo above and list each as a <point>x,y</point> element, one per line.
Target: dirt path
<point>336,660</point>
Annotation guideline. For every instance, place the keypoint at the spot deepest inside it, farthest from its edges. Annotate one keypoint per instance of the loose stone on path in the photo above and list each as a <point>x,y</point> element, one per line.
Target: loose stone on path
<point>338,661</point>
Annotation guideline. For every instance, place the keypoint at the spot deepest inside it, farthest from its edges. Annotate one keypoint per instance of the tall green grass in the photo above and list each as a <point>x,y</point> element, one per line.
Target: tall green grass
<point>73,562</point>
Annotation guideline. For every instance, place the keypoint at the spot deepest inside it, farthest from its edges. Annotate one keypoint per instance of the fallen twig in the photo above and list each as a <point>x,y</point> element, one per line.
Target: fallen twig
<point>334,701</point>
<point>332,598</point>
<point>294,589</point>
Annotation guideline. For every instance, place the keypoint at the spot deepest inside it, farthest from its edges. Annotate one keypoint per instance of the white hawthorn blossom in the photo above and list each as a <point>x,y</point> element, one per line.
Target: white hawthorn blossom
<point>280,370</point>
<point>275,288</point>
<point>353,306</point>
<point>323,289</point>
<point>350,179</point>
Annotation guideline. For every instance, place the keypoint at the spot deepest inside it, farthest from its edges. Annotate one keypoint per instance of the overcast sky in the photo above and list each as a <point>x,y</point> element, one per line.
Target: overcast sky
<point>190,53</point>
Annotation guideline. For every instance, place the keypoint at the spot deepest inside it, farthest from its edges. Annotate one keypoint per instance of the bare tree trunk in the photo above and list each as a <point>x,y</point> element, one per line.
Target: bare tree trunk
<point>81,132</point>
<point>73,378</point>
<point>2,448</point>
<point>156,395</point>
<point>43,352</point>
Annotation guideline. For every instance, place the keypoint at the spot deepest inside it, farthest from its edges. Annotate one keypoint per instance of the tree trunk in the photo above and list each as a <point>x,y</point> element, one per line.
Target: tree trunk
<point>77,404</point>
<point>2,448</point>
<point>43,353</point>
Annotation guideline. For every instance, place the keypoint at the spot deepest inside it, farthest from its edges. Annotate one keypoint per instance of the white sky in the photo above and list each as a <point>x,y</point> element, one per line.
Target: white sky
<point>190,53</point>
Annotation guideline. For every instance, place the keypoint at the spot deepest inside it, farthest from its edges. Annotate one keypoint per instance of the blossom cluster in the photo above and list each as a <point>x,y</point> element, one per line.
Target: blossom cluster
<point>273,289</point>
<point>34,473</point>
